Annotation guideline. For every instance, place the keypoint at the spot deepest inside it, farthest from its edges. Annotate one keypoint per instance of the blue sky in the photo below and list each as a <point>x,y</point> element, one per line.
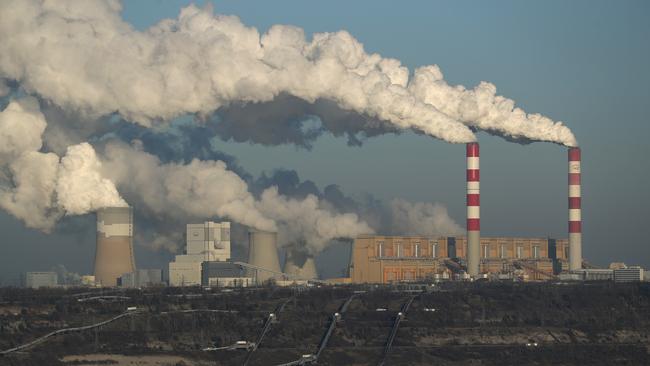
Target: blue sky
<point>581,62</point>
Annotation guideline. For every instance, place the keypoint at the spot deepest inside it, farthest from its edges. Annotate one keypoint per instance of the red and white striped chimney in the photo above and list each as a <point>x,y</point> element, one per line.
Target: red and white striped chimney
<point>473,209</point>
<point>575,212</point>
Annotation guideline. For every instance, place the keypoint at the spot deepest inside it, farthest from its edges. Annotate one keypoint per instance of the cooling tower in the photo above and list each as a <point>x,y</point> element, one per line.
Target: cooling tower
<point>114,255</point>
<point>473,209</point>
<point>263,252</point>
<point>575,211</point>
<point>300,265</point>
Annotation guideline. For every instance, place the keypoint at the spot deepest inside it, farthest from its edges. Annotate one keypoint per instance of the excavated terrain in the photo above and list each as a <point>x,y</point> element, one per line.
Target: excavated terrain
<point>447,324</point>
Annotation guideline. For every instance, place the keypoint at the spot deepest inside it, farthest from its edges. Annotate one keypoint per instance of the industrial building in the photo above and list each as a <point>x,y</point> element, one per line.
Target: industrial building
<point>476,260</point>
<point>385,259</point>
<point>41,279</point>
<point>141,278</point>
<point>224,274</point>
<point>629,274</point>
<point>207,242</point>
<point>595,274</point>
<point>114,253</point>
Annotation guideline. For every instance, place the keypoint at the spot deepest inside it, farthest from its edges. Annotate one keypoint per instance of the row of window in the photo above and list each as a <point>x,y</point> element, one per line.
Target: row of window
<point>431,250</point>
<point>414,250</point>
<point>503,251</point>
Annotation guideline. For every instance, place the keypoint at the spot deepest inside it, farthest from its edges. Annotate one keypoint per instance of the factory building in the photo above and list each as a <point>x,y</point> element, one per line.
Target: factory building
<point>595,274</point>
<point>224,274</point>
<point>141,278</point>
<point>205,242</point>
<point>629,274</point>
<point>41,279</point>
<point>384,259</point>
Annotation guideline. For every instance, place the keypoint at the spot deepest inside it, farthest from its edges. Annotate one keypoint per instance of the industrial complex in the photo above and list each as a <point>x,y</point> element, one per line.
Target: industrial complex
<point>206,259</point>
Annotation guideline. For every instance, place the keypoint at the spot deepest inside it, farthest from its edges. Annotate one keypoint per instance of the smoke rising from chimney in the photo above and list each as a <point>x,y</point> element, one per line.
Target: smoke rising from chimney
<point>200,62</point>
<point>82,60</point>
<point>39,187</point>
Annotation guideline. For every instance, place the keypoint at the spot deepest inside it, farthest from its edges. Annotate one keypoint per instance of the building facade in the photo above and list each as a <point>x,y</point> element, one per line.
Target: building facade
<point>207,242</point>
<point>141,278</point>
<point>385,259</point>
<point>629,274</point>
<point>41,279</point>
<point>224,274</point>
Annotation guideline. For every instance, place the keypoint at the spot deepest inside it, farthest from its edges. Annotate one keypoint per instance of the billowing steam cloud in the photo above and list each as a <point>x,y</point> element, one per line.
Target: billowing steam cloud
<point>38,187</point>
<point>422,219</point>
<point>80,187</point>
<point>85,57</point>
<point>43,187</point>
<point>483,109</point>
<point>207,189</point>
<point>90,69</point>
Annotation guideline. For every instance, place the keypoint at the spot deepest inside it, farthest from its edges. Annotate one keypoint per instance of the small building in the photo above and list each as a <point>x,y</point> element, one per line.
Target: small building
<point>224,274</point>
<point>570,276</point>
<point>596,274</point>
<point>41,279</point>
<point>629,274</point>
<point>141,278</point>
<point>88,280</point>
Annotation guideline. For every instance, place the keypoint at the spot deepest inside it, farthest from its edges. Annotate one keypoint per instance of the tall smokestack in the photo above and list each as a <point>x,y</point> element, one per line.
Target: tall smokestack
<point>575,211</point>
<point>114,256</point>
<point>263,252</point>
<point>473,209</point>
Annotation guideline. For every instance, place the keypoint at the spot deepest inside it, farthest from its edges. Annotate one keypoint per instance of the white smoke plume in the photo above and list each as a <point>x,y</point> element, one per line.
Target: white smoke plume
<point>199,189</point>
<point>30,194</point>
<point>83,56</point>
<point>80,187</point>
<point>424,219</point>
<point>207,188</point>
<point>307,219</point>
<point>38,187</point>
<point>483,109</point>
<point>21,127</point>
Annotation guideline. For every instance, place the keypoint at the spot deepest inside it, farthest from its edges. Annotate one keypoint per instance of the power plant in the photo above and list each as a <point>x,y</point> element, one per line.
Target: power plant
<point>114,253</point>
<point>375,259</point>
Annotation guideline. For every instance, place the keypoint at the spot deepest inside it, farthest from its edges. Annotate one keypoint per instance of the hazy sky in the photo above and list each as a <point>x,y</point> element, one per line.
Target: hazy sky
<point>581,62</point>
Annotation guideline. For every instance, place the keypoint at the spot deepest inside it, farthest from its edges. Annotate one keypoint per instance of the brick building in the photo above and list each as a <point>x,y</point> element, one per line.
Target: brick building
<point>384,259</point>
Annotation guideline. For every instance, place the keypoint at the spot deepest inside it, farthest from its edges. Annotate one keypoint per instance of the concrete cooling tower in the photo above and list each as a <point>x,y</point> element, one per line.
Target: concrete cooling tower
<point>114,255</point>
<point>263,252</point>
<point>300,265</point>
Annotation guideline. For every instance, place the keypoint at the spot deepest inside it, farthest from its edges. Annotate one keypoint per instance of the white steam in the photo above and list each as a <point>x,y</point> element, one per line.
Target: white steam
<point>207,188</point>
<point>199,189</point>
<point>85,57</point>
<point>307,219</point>
<point>80,187</point>
<point>483,109</point>
<point>424,219</point>
<point>39,188</point>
